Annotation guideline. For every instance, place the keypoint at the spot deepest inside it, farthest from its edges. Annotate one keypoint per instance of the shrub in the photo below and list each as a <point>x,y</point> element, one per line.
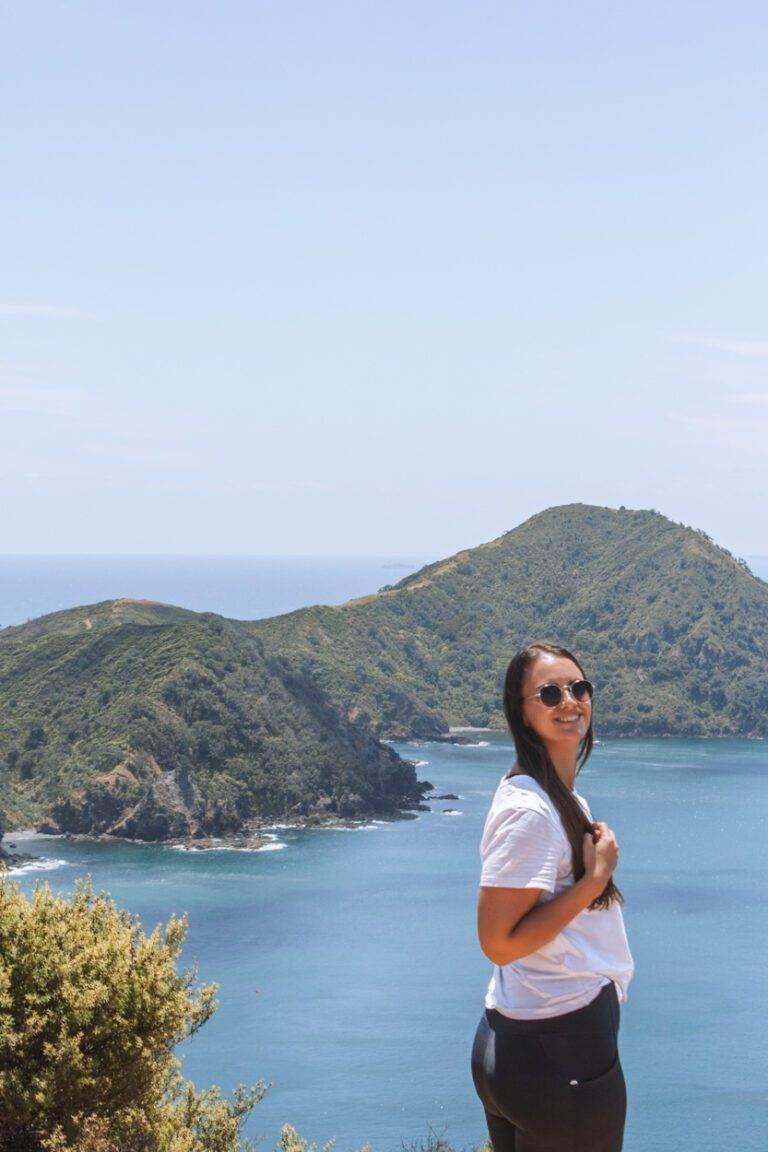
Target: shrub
<point>91,1009</point>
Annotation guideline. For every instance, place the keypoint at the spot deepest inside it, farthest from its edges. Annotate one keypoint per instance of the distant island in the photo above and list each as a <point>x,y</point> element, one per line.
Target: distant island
<point>142,720</point>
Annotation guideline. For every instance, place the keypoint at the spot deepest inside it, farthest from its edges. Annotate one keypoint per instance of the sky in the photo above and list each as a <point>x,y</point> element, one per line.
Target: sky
<point>379,278</point>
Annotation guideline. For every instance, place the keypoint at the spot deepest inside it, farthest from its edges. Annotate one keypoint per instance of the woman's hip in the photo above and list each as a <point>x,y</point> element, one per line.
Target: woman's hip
<point>561,1080</point>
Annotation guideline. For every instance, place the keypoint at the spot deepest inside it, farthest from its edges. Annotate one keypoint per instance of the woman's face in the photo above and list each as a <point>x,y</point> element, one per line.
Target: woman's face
<point>569,720</point>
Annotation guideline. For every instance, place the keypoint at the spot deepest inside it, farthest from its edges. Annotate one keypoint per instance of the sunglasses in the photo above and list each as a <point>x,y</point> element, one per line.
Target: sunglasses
<point>552,694</point>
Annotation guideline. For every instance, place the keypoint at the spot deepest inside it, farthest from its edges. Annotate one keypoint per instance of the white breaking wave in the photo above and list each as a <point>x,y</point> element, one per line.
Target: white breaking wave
<point>36,866</point>
<point>274,846</point>
<point>372,827</point>
<point>30,834</point>
<point>456,813</point>
<point>280,827</point>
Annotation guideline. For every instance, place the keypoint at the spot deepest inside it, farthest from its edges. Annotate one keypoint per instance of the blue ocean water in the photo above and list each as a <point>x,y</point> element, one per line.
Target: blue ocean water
<point>240,587</point>
<point>350,976</point>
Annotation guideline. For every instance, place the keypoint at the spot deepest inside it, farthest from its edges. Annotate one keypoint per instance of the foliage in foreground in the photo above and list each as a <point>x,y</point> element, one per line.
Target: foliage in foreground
<point>436,1142</point>
<point>91,1009</point>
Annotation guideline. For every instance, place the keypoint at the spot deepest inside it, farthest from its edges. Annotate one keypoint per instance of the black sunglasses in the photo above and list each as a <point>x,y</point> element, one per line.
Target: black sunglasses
<point>551,694</point>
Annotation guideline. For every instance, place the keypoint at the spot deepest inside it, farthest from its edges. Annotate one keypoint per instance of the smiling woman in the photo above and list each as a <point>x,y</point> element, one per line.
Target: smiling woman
<point>545,1060</point>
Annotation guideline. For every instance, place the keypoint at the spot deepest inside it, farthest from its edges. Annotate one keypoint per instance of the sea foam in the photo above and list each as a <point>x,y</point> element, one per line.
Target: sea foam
<point>36,866</point>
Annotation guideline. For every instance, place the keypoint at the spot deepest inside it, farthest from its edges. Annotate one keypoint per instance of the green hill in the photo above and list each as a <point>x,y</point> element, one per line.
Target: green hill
<point>673,629</point>
<point>148,720</point>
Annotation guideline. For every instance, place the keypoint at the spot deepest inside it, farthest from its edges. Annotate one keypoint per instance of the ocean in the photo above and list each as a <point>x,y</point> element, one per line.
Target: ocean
<point>351,979</point>
<point>240,587</point>
<point>348,967</point>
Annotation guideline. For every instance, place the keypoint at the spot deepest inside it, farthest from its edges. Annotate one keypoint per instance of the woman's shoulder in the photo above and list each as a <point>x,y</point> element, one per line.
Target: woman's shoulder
<point>518,790</point>
<point>521,808</point>
<point>522,781</point>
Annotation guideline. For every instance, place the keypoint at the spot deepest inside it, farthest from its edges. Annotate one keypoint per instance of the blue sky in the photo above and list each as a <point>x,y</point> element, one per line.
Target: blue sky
<point>317,278</point>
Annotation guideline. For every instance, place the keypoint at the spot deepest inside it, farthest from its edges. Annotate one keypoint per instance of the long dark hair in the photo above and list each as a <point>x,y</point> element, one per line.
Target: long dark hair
<point>535,761</point>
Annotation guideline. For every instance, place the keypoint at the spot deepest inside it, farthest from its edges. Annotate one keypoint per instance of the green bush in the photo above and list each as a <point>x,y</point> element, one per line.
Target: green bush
<point>91,1009</point>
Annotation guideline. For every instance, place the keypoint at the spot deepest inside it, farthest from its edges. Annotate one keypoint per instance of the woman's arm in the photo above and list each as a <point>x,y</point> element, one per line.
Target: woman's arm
<point>509,922</point>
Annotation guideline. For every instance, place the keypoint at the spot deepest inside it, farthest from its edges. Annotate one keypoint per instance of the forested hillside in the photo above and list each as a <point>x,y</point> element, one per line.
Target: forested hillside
<point>149,721</point>
<point>673,629</point>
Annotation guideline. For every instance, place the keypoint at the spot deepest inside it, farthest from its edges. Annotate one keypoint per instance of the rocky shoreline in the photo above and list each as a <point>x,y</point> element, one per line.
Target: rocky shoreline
<point>10,860</point>
<point>251,839</point>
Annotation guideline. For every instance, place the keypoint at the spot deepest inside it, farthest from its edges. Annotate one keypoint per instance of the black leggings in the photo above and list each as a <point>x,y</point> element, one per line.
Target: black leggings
<point>552,1085</point>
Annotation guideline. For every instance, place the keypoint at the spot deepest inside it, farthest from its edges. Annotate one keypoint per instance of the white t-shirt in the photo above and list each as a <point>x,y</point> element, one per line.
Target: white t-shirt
<point>524,845</point>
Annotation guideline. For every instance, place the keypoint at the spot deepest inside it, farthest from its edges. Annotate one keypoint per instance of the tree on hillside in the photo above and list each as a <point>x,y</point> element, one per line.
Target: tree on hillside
<point>91,1009</point>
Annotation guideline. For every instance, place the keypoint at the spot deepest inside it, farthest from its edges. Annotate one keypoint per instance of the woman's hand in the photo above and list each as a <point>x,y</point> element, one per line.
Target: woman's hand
<point>601,852</point>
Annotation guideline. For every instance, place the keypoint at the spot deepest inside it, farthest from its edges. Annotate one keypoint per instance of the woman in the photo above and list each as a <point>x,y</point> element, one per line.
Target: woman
<point>545,1061</point>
